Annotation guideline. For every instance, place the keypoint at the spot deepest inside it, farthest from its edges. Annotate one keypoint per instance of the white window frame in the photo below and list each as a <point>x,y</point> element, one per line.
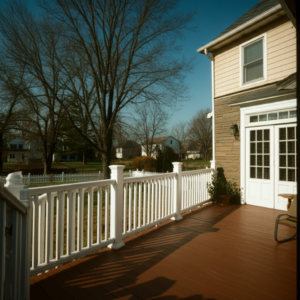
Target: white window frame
<point>242,46</point>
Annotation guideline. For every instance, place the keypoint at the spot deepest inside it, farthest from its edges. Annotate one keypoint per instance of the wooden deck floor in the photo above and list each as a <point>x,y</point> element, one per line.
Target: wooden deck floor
<point>217,252</point>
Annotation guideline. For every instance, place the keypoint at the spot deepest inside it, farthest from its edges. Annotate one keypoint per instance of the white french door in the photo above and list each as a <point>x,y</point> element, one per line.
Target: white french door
<point>259,166</point>
<point>285,163</point>
<point>271,164</point>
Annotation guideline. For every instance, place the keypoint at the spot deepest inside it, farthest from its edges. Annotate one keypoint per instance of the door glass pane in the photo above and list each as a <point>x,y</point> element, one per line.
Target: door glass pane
<point>291,133</point>
<point>282,133</point>
<point>259,135</point>
<point>252,136</point>
<point>282,174</point>
<point>266,134</point>
<point>259,147</point>
<point>262,118</point>
<point>282,160</point>
<point>291,161</point>
<point>266,173</point>
<point>259,173</point>
<point>252,148</point>
<point>283,115</point>
<point>252,172</point>
<point>266,160</point>
<point>291,147</point>
<point>259,160</point>
<point>282,147</point>
<point>287,163</point>
<point>252,160</point>
<point>267,147</point>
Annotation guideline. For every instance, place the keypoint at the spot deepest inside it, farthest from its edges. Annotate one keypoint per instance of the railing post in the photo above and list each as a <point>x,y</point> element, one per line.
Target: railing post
<point>62,176</point>
<point>26,243</point>
<point>116,206</point>
<point>14,183</point>
<point>177,190</point>
<point>28,178</point>
<point>99,174</point>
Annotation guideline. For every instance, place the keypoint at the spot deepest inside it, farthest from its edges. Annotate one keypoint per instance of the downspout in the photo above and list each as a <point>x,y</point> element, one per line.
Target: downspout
<point>212,114</point>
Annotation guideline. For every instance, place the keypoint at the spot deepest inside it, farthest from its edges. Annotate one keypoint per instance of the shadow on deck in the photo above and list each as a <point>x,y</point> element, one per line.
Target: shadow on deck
<point>216,252</point>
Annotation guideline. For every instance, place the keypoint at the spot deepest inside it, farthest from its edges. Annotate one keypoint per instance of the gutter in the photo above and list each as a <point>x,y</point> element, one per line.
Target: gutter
<point>251,22</point>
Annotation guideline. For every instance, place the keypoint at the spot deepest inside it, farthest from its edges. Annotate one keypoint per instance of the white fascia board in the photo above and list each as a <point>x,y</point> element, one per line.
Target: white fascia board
<point>261,99</point>
<point>240,28</point>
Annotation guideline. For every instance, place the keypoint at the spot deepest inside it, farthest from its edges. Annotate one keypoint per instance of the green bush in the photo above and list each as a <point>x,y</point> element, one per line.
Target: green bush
<point>159,160</point>
<point>146,163</point>
<point>220,186</point>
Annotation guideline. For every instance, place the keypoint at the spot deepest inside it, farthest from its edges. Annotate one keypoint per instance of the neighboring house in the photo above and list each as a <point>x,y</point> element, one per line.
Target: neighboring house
<point>128,149</point>
<point>20,150</point>
<point>254,98</point>
<point>161,142</point>
<point>63,154</point>
<point>193,151</point>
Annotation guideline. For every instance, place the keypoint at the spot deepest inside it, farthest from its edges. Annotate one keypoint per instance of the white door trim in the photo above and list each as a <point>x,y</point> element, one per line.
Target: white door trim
<point>244,116</point>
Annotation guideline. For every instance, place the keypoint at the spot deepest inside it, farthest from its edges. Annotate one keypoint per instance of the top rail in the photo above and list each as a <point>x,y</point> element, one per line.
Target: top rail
<point>12,201</point>
<point>196,171</point>
<point>150,177</point>
<point>70,186</point>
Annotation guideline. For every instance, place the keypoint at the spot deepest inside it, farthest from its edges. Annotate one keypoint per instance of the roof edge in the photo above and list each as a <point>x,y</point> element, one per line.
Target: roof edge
<point>260,17</point>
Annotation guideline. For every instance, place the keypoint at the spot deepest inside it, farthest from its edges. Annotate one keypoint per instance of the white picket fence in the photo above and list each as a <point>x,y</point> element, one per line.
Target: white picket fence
<point>104,212</point>
<point>78,177</point>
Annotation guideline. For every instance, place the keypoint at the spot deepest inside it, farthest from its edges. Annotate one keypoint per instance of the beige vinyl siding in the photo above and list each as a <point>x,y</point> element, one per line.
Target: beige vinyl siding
<point>281,57</point>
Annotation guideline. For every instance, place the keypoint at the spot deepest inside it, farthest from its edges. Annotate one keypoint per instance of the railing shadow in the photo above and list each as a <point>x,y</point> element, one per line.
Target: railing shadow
<point>127,272</point>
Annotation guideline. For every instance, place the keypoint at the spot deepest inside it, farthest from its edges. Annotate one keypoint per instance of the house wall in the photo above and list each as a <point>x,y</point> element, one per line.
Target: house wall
<point>227,147</point>
<point>281,57</point>
<point>174,145</point>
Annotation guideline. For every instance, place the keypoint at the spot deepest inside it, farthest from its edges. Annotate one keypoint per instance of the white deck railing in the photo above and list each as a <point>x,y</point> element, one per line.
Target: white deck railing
<point>71,220</point>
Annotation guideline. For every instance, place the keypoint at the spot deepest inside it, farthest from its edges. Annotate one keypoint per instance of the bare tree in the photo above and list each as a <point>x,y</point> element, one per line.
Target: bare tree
<point>34,45</point>
<point>149,122</point>
<point>10,95</point>
<point>127,47</point>
<point>200,130</point>
<point>180,132</point>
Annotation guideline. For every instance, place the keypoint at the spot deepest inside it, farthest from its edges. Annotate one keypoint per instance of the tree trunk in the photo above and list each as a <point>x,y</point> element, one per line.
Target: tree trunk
<point>106,159</point>
<point>1,152</point>
<point>83,158</point>
<point>47,164</point>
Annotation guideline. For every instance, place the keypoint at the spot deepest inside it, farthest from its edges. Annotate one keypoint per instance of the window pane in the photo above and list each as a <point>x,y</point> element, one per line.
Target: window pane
<point>291,175</point>
<point>266,160</point>
<point>272,116</point>
<point>259,135</point>
<point>252,148</point>
<point>293,114</point>
<point>259,160</point>
<point>282,133</point>
<point>259,147</point>
<point>266,147</point>
<point>291,161</point>
<point>252,172</point>
<point>266,134</point>
<point>252,136</point>
<point>291,147</point>
<point>282,174</point>
<point>282,147</point>
<point>253,119</point>
<point>283,115</point>
<point>253,71</point>
<point>291,133</point>
<point>252,160</point>
<point>266,173</point>
<point>263,118</point>
<point>259,173</point>
<point>282,160</point>
<point>253,52</point>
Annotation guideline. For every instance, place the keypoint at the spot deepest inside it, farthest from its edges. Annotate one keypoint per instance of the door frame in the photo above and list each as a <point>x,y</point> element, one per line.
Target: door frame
<point>245,113</point>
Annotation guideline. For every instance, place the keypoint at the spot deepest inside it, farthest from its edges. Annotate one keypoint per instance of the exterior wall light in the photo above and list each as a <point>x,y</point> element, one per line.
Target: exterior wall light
<point>234,130</point>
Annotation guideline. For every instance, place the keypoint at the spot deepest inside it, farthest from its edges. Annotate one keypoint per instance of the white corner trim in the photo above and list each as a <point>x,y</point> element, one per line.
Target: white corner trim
<point>264,38</point>
<point>242,27</point>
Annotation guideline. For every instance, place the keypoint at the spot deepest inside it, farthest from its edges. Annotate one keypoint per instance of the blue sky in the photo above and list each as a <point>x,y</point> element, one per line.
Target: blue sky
<point>211,19</point>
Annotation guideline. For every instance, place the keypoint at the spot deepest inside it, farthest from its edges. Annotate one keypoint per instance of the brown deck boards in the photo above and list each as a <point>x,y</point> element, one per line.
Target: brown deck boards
<point>216,252</point>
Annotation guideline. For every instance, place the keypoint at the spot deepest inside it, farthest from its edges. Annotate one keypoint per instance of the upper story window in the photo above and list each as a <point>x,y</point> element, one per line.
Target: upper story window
<point>20,146</point>
<point>253,61</point>
<point>171,141</point>
<point>13,146</point>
